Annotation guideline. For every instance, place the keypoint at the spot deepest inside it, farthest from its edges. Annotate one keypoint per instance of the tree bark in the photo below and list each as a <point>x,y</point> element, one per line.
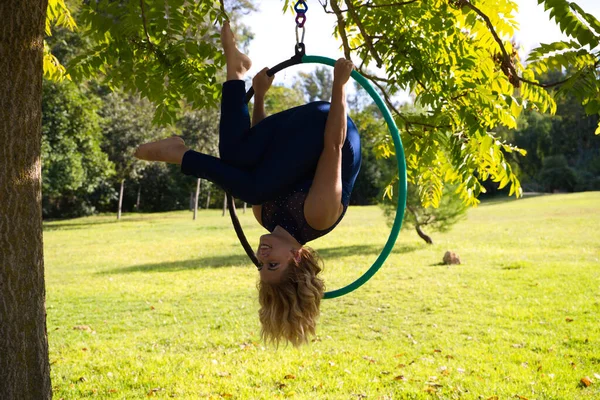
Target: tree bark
<point>121,198</point>
<point>224,205</point>
<point>24,366</point>
<point>139,195</point>
<point>423,235</point>
<point>196,199</point>
<point>208,199</point>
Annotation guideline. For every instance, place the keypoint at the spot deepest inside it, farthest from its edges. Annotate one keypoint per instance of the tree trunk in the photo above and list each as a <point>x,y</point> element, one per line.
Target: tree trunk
<point>139,195</point>
<point>196,199</point>
<point>208,199</point>
<point>121,198</point>
<point>24,366</point>
<point>224,205</point>
<point>244,207</point>
<point>423,235</point>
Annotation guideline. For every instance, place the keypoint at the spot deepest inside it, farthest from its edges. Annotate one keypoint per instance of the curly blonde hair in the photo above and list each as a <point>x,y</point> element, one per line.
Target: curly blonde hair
<point>289,309</point>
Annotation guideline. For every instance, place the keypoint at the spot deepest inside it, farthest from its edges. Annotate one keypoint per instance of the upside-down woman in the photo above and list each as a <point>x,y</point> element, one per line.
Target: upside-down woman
<point>297,168</point>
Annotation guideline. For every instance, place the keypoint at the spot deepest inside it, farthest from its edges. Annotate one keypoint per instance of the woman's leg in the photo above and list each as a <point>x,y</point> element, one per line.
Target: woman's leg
<point>291,158</point>
<point>237,145</point>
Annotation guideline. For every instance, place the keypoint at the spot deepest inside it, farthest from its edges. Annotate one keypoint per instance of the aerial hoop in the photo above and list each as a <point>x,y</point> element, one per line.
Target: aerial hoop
<point>301,58</point>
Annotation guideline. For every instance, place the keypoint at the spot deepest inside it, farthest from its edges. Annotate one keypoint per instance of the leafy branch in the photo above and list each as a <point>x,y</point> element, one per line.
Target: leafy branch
<point>507,65</point>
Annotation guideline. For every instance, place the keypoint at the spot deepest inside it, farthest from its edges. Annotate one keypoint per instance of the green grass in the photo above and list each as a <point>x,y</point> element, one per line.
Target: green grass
<point>172,312</point>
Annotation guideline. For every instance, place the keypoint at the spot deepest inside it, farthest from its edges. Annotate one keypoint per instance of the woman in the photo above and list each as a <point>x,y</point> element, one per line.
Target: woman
<point>297,168</point>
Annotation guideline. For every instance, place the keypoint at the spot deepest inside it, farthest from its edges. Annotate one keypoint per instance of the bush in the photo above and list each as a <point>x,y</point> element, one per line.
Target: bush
<point>556,175</point>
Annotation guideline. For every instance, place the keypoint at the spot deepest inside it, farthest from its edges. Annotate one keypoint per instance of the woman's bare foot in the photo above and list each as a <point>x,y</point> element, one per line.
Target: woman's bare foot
<point>170,150</point>
<point>237,62</point>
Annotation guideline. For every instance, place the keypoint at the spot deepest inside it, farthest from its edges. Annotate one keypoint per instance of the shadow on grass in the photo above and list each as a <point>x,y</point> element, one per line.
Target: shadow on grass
<point>241,260</point>
<point>57,225</point>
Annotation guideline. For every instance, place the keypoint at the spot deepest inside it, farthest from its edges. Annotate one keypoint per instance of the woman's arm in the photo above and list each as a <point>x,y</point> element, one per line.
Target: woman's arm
<point>257,211</point>
<point>258,113</point>
<point>261,84</point>
<point>323,205</point>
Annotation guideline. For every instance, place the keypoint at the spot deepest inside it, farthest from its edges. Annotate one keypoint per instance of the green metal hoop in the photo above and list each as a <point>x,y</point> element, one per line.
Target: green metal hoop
<point>301,58</point>
<point>401,161</point>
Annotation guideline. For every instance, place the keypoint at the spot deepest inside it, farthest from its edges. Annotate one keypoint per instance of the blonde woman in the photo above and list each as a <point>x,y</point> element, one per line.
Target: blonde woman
<point>297,168</point>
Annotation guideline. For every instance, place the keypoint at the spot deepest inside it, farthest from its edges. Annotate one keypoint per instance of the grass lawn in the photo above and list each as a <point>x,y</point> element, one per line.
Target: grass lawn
<point>159,305</point>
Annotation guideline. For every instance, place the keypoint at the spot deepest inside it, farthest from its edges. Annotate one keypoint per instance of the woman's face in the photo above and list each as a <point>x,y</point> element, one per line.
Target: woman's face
<point>275,254</point>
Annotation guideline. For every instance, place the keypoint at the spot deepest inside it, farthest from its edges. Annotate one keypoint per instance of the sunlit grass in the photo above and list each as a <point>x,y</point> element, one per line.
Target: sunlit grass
<point>166,307</point>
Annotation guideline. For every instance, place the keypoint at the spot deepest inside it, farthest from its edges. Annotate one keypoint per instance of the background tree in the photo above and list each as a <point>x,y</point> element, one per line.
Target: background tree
<point>24,366</point>
<point>126,123</point>
<point>73,164</point>
<point>438,219</point>
<point>200,131</point>
<point>466,78</point>
<point>317,84</point>
<point>566,139</point>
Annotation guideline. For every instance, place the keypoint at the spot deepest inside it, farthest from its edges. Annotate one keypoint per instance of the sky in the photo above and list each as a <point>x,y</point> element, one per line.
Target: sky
<point>275,35</point>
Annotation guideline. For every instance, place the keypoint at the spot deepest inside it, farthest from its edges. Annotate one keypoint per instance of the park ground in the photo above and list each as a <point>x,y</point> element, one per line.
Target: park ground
<point>158,305</point>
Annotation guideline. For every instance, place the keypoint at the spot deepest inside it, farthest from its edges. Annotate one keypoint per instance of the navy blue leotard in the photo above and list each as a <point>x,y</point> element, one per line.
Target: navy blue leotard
<point>274,162</point>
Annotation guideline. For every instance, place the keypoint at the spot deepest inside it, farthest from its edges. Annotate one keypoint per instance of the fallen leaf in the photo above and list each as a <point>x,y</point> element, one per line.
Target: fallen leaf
<point>331,363</point>
<point>586,381</point>
<point>521,397</point>
<point>573,365</point>
<point>153,392</point>
<point>289,376</point>
<point>152,308</point>
<point>82,379</point>
<point>569,319</point>
<point>223,374</point>
<point>385,372</point>
<point>369,359</point>
<point>437,351</point>
<point>112,391</point>
<point>493,398</point>
<point>401,366</point>
<point>84,349</point>
<point>82,328</point>
<point>449,357</point>
<point>281,385</point>
<point>430,389</point>
<point>400,378</point>
<point>226,395</point>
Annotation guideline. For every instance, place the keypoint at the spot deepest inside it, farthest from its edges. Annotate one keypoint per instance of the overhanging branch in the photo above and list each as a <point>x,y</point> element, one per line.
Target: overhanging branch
<point>366,37</point>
